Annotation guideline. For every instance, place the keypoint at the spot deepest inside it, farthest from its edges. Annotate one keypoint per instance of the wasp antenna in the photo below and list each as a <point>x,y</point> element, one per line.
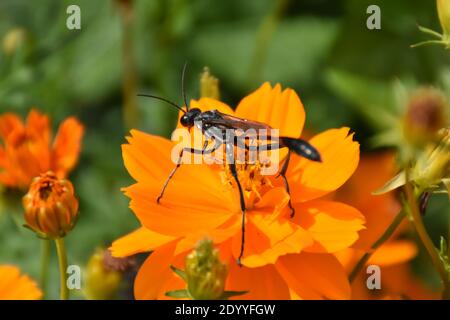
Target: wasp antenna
<point>183,92</point>
<point>162,99</point>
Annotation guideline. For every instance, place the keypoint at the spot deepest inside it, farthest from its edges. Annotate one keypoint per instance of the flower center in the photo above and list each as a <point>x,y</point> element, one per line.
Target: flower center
<point>45,190</point>
<point>254,183</point>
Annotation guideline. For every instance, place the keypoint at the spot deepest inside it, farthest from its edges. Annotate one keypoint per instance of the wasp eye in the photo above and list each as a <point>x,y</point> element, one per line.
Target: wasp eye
<point>184,121</point>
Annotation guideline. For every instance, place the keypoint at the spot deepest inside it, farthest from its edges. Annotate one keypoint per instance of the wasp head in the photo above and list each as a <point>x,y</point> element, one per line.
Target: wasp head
<point>187,120</point>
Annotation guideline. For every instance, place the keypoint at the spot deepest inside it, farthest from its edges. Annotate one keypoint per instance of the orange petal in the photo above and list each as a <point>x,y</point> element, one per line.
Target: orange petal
<point>206,104</point>
<point>334,226</point>
<point>394,252</point>
<point>400,280</point>
<point>140,240</point>
<point>262,283</point>
<point>281,110</point>
<point>154,273</point>
<point>9,122</point>
<point>268,238</point>
<point>38,126</point>
<point>275,196</point>
<point>66,147</point>
<point>7,175</point>
<point>314,276</point>
<point>148,159</point>
<point>27,160</point>
<point>180,212</point>
<point>223,233</point>
<point>16,286</point>
<point>373,171</point>
<point>340,157</point>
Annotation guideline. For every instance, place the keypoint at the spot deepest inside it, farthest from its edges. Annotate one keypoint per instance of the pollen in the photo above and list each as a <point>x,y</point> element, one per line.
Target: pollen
<point>253,182</point>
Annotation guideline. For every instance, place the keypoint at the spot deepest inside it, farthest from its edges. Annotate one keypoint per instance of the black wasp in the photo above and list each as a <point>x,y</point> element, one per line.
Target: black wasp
<point>214,125</point>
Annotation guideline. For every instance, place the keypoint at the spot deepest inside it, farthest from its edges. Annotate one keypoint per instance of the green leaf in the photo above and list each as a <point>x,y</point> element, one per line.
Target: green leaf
<point>179,272</point>
<point>388,138</point>
<point>372,99</point>
<point>295,51</point>
<point>178,294</point>
<point>228,294</point>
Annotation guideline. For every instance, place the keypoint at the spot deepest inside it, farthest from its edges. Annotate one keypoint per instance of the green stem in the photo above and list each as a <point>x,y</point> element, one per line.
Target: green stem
<point>384,237</point>
<point>129,74</point>
<point>45,261</point>
<point>62,259</point>
<point>423,235</point>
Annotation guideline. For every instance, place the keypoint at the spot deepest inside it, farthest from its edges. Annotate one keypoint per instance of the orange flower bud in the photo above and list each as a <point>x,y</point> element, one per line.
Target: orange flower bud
<point>51,208</point>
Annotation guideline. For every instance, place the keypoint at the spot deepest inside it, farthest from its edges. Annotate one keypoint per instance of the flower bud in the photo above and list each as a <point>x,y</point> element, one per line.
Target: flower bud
<point>13,40</point>
<point>426,113</point>
<point>434,168</point>
<point>209,85</point>
<point>51,209</point>
<point>104,274</point>
<point>443,8</point>
<point>205,273</point>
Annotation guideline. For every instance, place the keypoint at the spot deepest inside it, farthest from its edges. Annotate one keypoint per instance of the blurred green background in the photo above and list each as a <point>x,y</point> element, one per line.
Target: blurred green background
<point>321,48</point>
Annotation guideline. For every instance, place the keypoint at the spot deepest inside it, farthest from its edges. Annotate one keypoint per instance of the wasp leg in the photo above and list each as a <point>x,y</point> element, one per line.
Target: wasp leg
<point>205,146</point>
<point>242,202</point>
<point>180,157</point>
<point>232,166</point>
<point>172,173</point>
<point>286,183</point>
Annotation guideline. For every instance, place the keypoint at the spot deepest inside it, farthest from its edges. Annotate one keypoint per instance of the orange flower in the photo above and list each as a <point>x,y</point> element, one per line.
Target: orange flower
<point>284,257</point>
<point>14,286</point>
<point>51,209</point>
<point>394,256</point>
<point>27,150</point>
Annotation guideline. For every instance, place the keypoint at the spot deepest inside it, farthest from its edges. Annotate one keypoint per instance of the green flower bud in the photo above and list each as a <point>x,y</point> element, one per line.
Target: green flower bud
<point>205,273</point>
<point>104,275</point>
<point>434,168</point>
<point>426,114</point>
<point>209,85</point>
<point>13,40</point>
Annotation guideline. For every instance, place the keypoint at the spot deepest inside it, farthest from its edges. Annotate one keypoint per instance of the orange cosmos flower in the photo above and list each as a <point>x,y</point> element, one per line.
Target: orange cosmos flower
<point>27,149</point>
<point>393,257</point>
<point>14,286</point>
<point>284,257</point>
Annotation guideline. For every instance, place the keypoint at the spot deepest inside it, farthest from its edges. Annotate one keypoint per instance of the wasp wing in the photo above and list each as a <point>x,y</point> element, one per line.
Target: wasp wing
<point>243,127</point>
